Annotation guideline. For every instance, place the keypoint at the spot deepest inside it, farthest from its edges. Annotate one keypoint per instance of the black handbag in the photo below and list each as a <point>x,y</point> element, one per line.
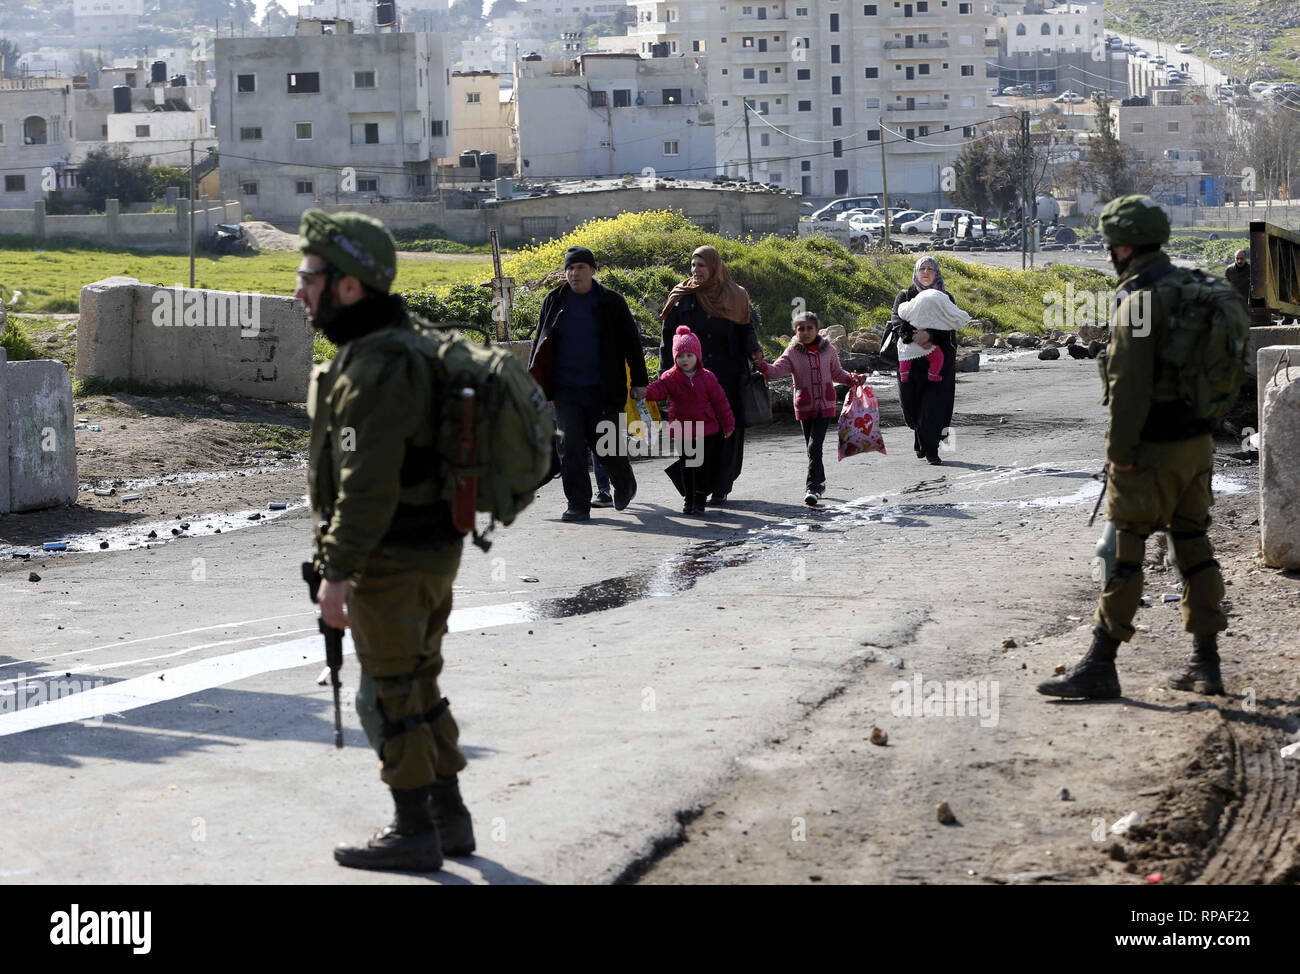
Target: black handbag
<point>889,345</point>
<point>755,402</point>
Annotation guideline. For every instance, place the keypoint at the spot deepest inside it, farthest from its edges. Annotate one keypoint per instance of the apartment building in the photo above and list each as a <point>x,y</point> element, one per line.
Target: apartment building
<point>93,19</point>
<point>482,113</point>
<point>827,80</point>
<point>611,114</point>
<point>1186,139</point>
<point>48,125</point>
<point>1061,47</point>
<point>328,115</point>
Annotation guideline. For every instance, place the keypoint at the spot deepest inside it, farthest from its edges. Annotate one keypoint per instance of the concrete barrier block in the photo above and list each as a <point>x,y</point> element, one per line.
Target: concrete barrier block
<point>42,450</point>
<point>4,435</point>
<point>1266,360</point>
<point>1270,335</point>
<point>1279,467</point>
<point>105,329</point>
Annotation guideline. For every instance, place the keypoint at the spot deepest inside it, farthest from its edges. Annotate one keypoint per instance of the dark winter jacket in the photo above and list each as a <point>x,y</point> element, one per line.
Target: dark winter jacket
<point>1239,277</point>
<point>727,345</point>
<point>694,398</point>
<point>620,345</point>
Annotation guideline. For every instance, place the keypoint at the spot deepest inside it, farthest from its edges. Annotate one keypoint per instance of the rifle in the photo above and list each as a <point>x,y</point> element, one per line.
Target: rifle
<point>333,647</point>
<point>1104,477</point>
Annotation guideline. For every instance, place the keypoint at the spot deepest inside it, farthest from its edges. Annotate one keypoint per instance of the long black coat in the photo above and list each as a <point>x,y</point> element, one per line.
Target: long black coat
<point>936,400</point>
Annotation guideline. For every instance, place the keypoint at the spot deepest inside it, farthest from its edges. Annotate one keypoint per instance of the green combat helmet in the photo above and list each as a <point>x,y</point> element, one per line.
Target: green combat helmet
<point>1131,221</point>
<point>354,243</point>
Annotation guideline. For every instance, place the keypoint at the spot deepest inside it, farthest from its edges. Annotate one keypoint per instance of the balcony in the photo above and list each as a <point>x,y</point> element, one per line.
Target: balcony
<point>915,49</point>
<point>775,54</point>
<point>931,83</point>
<point>901,113</point>
<point>926,21</point>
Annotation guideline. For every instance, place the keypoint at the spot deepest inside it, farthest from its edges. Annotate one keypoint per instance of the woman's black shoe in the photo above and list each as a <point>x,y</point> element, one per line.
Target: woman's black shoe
<point>934,461</point>
<point>717,500</point>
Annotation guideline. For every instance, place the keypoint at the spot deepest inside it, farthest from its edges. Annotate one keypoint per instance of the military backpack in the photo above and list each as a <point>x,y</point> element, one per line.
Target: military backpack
<point>1201,354</point>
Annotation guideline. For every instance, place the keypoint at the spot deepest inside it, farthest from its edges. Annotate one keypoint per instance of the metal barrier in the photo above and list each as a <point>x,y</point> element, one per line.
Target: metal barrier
<point>1274,272</point>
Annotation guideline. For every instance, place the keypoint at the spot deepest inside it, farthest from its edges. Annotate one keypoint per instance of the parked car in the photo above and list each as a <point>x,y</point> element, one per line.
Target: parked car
<point>1260,86</point>
<point>1183,49</point>
<point>850,214</point>
<point>836,207</point>
<point>1068,97</point>
<point>922,224</point>
<point>1130,46</point>
<point>904,216</point>
<point>1047,88</point>
<point>1115,43</point>
<point>863,233</point>
<point>1217,53</point>
<point>975,225</point>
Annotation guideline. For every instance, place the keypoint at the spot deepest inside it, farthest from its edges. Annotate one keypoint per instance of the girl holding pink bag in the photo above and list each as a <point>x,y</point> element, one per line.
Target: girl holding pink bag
<point>816,368</point>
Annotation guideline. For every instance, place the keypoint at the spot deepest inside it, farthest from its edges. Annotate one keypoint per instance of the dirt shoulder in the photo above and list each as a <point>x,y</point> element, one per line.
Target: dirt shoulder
<point>823,804</point>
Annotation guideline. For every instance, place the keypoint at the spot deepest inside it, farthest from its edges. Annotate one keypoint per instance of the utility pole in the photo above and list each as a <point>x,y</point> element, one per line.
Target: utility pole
<point>191,214</point>
<point>884,179</point>
<point>1024,189</point>
<point>749,154</point>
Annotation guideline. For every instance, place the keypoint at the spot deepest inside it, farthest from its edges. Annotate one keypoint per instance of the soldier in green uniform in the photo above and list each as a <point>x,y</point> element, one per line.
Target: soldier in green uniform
<point>386,547</point>
<point>1160,457</point>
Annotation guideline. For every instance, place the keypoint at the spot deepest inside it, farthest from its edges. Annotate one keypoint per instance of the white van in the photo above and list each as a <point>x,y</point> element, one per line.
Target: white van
<point>947,219</point>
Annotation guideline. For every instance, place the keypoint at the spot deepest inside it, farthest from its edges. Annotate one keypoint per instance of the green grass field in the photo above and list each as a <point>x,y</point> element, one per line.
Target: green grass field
<point>50,279</point>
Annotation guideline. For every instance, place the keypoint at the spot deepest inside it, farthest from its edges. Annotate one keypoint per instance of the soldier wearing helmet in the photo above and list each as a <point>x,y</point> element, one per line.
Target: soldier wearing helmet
<point>1160,457</point>
<point>386,545</point>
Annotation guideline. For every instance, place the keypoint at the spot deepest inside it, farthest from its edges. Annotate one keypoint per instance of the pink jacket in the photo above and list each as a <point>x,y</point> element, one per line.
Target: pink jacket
<point>695,398</point>
<point>815,374</point>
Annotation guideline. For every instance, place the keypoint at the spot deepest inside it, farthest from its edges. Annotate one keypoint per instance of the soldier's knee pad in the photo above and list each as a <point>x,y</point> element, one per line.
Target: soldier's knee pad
<point>403,706</point>
<point>1130,548</point>
<point>1194,552</point>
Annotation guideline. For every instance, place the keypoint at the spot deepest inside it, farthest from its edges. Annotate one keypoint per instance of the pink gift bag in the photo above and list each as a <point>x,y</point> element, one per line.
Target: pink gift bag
<point>860,422</point>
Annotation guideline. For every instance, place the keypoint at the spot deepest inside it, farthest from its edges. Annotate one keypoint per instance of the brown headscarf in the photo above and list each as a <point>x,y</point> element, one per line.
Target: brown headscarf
<point>719,295</point>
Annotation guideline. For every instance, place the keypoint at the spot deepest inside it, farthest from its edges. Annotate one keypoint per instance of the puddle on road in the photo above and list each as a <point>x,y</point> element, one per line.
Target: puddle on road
<point>672,576</point>
<point>135,536</point>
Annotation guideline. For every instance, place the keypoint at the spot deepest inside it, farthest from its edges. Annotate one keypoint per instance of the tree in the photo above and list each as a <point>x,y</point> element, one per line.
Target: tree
<point>986,170</point>
<point>10,54</point>
<point>275,19</point>
<point>108,174</point>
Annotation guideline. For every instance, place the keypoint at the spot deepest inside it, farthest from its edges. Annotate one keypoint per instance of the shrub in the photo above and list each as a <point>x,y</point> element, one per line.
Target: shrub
<point>17,344</point>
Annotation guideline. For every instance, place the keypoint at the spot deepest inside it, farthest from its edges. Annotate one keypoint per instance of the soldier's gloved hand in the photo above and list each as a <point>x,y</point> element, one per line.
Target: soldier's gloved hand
<point>332,599</point>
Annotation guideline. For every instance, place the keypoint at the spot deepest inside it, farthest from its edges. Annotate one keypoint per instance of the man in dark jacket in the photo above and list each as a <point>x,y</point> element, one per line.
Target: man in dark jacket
<point>585,346</point>
<point>1238,274</point>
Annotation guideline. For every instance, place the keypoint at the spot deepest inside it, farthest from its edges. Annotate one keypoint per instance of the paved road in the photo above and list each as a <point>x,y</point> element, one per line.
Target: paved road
<point>596,702</point>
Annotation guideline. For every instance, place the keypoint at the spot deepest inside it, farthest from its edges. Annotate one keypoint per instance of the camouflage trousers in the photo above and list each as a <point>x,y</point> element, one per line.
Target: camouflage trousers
<point>1168,490</point>
<point>399,616</point>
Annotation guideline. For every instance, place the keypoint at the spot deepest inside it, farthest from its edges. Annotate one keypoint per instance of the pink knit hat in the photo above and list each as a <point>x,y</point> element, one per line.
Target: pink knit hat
<point>685,341</point>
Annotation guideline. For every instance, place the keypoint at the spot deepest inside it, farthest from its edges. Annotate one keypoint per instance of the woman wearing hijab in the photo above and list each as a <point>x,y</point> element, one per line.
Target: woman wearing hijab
<point>927,406</point>
<point>717,311</point>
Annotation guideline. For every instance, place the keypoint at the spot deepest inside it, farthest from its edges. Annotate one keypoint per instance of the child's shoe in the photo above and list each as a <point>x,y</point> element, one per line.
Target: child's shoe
<point>602,499</point>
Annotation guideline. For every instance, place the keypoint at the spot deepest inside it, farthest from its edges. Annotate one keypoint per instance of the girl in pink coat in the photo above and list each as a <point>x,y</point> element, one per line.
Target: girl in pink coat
<point>816,368</point>
<point>698,415</point>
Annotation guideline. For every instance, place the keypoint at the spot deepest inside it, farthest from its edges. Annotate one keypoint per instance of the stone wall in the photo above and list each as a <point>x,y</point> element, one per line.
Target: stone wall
<point>1279,456</point>
<point>168,230</point>
<point>245,344</point>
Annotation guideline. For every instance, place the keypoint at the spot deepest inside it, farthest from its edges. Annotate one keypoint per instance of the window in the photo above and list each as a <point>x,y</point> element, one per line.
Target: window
<point>923,69</point>
<point>302,131</point>
<point>923,131</point>
<point>837,148</point>
<point>968,70</point>
<point>873,72</point>
<point>671,147</point>
<point>801,11</point>
<point>765,139</point>
<point>672,96</point>
<point>968,131</point>
<point>245,83</point>
<point>35,131</point>
<point>963,8</point>
<point>762,45</point>
<point>762,77</point>
<point>805,106</point>
<point>805,165</point>
<point>15,184</point>
<point>747,42</point>
<point>873,135</point>
<point>841,182</point>
<point>774,178</point>
<point>304,187</point>
<point>248,189</point>
<point>421,180</point>
<point>304,83</point>
<point>622,97</point>
<point>1137,128</point>
<point>367,185</point>
<point>1020,30</point>
<point>473,98</point>
<point>803,74</point>
<point>435,128</point>
<point>868,10</point>
<point>747,74</point>
<point>837,116</point>
<point>873,102</point>
<point>598,99</point>
<point>835,23</point>
<point>2,134</point>
<point>835,54</point>
<point>923,7</point>
<point>699,47</point>
<point>142,131</point>
<point>762,108</point>
<point>365,133</point>
<point>250,134</point>
<point>1173,126</point>
<point>835,84</point>
<point>363,79</point>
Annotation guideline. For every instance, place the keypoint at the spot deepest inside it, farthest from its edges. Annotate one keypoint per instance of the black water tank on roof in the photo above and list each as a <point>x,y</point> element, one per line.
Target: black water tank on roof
<point>158,72</point>
<point>121,98</point>
<point>468,160</point>
<point>179,81</point>
<point>487,166</point>
<point>385,13</point>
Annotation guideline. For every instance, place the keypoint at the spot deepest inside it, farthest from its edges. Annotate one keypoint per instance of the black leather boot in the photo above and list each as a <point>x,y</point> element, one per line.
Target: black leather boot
<point>1093,677</point>
<point>410,844</point>
<point>455,827</point>
<point>1202,673</point>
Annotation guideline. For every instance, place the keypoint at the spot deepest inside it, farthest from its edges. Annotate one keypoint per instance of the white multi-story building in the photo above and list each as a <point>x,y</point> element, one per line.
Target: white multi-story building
<point>826,80</point>
<point>551,18</point>
<point>1070,27</point>
<point>330,117</point>
<point>613,114</point>
<point>106,18</point>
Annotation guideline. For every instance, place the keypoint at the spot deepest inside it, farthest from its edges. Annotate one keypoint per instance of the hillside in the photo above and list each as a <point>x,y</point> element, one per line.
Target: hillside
<point>1263,36</point>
